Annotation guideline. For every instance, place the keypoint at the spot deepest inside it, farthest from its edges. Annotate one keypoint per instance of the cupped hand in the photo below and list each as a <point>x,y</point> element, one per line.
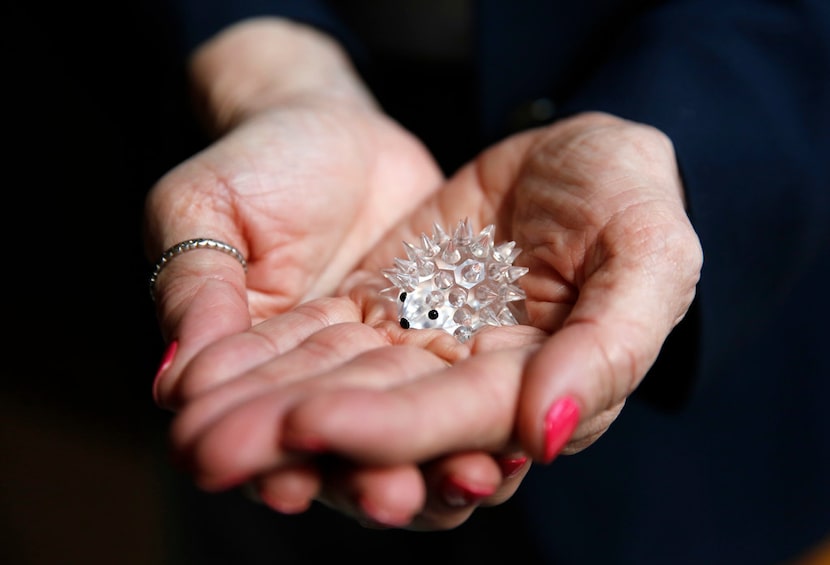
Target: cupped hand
<point>303,183</point>
<point>596,204</point>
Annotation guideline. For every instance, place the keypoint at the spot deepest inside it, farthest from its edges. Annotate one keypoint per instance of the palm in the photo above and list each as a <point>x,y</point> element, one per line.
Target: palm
<point>596,205</point>
<point>570,201</point>
<point>305,190</point>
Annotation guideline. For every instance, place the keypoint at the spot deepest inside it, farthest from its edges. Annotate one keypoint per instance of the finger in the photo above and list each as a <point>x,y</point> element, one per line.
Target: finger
<point>379,497</point>
<point>289,490</point>
<point>613,335</point>
<point>468,406</point>
<point>321,352</point>
<point>246,439</point>
<point>456,485</point>
<point>275,345</point>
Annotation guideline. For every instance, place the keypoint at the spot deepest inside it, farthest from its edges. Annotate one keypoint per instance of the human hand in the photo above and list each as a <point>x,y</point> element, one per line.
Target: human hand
<point>597,205</point>
<point>304,177</point>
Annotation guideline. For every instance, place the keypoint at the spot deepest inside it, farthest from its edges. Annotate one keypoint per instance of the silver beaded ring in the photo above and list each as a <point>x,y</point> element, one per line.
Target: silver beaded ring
<point>190,245</point>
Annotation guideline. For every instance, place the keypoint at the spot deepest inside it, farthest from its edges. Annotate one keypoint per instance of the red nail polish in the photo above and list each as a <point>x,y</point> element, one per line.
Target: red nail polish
<point>459,495</point>
<point>560,423</point>
<point>166,360</point>
<point>510,466</point>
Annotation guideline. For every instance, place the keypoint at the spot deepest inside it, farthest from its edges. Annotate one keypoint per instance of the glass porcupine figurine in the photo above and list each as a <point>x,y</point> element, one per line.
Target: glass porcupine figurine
<point>460,283</point>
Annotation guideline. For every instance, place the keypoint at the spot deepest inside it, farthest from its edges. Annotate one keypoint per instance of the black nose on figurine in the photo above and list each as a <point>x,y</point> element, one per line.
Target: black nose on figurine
<point>405,323</point>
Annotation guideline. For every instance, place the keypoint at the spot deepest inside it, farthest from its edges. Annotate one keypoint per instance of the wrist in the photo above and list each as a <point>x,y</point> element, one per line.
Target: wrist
<point>263,63</point>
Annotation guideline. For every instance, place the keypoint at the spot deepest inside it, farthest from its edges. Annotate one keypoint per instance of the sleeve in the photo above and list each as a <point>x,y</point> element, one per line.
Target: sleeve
<point>198,20</point>
<point>742,88</point>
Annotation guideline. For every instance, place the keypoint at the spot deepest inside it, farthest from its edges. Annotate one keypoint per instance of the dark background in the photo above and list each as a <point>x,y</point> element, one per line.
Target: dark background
<point>93,114</point>
<point>95,106</point>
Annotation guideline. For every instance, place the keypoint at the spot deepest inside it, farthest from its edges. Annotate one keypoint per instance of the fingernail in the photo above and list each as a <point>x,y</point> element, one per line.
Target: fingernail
<point>510,466</point>
<point>166,360</point>
<point>458,495</point>
<point>560,423</point>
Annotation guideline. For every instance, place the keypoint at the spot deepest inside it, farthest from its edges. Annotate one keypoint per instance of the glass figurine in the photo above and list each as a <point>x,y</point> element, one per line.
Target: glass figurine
<point>459,284</point>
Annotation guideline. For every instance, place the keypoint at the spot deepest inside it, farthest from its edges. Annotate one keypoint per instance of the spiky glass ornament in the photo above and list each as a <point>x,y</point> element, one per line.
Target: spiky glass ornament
<point>460,283</point>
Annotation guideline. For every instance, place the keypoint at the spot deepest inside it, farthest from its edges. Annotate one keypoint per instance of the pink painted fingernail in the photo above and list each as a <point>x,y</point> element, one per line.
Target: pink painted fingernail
<point>560,423</point>
<point>510,466</point>
<point>166,361</point>
<point>458,495</point>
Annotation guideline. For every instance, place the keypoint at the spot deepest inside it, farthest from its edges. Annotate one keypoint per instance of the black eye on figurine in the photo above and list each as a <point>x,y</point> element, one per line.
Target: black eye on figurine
<point>459,283</point>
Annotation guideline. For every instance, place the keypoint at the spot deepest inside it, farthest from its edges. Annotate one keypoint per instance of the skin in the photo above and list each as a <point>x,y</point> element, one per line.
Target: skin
<point>296,379</point>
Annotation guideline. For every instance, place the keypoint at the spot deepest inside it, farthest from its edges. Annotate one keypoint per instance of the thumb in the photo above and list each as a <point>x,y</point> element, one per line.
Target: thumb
<point>576,383</point>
